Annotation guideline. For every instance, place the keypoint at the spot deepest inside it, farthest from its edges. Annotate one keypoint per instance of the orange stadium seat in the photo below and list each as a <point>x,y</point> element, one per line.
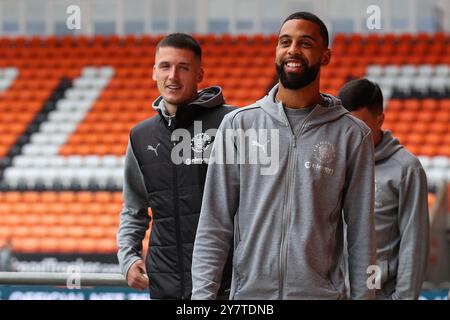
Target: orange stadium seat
<point>49,245</point>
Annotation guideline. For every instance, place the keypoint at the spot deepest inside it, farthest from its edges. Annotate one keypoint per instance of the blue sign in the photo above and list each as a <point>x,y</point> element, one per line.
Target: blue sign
<point>62,293</point>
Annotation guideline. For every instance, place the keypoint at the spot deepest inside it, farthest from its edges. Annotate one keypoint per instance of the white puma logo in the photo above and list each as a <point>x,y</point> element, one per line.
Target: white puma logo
<point>259,145</point>
<point>154,149</point>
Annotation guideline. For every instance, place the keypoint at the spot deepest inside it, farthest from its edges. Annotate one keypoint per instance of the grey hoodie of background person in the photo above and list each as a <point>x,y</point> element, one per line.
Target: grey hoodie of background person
<point>134,221</point>
<point>401,220</point>
<point>287,226</point>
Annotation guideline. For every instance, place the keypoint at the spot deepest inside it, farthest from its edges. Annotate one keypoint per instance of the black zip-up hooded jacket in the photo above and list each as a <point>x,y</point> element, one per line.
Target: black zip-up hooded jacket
<point>165,171</point>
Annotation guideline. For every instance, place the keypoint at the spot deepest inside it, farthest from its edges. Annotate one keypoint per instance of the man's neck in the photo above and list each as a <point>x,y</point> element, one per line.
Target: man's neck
<point>171,109</point>
<point>300,98</point>
<point>378,136</point>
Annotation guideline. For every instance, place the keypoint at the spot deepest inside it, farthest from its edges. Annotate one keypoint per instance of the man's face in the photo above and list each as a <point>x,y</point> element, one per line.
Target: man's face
<point>177,73</point>
<point>300,53</point>
<point>374,122</point>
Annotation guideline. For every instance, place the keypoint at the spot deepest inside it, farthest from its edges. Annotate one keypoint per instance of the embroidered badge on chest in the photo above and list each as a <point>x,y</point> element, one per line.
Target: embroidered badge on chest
<point>200,142</point>
<point>323,157</point>
<point>324,152</point>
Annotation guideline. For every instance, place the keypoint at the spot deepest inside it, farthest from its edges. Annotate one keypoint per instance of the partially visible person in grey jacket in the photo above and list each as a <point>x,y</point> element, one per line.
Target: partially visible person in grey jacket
<point>401,198</point>
<point>282,170</point>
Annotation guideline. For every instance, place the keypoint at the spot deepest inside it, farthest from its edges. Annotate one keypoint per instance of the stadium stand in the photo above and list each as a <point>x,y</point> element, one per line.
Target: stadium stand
<point>67,105</point>
<point>62,168</point>
<point>414,74</point>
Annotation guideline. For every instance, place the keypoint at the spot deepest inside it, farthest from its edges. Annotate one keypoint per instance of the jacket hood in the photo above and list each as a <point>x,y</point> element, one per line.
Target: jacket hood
<point>207,98</point>
<point>387,146</point>
<point>331,110</point>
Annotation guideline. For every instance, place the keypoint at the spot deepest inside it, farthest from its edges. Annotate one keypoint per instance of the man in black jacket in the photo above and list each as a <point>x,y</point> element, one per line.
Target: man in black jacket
<point>165,170</point>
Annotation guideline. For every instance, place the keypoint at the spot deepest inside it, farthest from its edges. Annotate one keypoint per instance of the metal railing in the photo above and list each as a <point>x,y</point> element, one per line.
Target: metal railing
<point>63,279</point>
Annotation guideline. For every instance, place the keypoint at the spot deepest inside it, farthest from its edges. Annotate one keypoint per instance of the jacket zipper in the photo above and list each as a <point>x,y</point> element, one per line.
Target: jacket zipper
<point>285,225</point>
<point>177,229</point>
<point>282,263</point>
<point>287,208</point>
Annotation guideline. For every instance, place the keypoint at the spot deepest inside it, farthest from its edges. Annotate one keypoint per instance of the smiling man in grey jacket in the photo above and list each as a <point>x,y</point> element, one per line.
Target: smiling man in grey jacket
<point>281,171</point>
<point>401,199</point>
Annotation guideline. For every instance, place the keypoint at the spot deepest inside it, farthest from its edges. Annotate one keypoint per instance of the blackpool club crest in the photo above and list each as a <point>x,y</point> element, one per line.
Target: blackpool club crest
<point>200,142</point>
<point>324,152</point>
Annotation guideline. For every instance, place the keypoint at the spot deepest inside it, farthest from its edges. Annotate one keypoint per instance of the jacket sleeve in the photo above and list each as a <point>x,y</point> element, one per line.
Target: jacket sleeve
<point>414,230</point>
<point>215,228</point>
<point>134,218</point>
<point>359,216</point>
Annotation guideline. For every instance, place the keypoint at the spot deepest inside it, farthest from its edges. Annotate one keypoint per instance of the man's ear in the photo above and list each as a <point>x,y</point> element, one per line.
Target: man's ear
<point>200,75</point>
<point>326,57</point>
<point>153,73</point>
<point>380,120</point>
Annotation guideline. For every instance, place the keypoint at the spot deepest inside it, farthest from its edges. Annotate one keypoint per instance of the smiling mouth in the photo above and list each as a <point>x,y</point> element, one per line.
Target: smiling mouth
<point>293,66</point>
<point>173,87</point>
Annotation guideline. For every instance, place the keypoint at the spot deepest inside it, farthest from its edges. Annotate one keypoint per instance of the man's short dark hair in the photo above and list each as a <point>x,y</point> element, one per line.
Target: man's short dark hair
<point>181,41</point>
<point>303,15</point>
<point>362,93</point>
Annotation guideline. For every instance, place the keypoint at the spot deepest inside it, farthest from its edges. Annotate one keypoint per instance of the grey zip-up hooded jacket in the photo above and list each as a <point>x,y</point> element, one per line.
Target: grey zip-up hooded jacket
<point>401,220</point>
<point>286,221</point>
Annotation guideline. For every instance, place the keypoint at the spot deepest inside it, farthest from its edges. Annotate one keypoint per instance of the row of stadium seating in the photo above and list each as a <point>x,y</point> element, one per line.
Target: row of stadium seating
<point>410,80</point>
<point>64,222</point>
<point>60,222</point>
<point>422,125</point>
<point>130,40</point>
<point>219,39</point>
<point>390,38</point>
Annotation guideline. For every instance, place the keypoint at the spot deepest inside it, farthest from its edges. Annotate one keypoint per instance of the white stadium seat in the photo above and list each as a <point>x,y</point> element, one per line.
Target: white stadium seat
<point>440,162</point>
<point>387,82</point>
<point>403,84</point>
<point>10,73</point>
<point>89,72</point>
<point>74,161</point>
<point>421,83</point>
<point>408,70</point>
<point>442,70</point>
<point>91,161</point>
<point>375,71</point>
<point>391,71</point>
<point>110,161</point>
<point>67,176</point>
<point>425,71</point>
<point>106,72</point>
<point>14,175</point>
<point>22,161</point>
<point>439,83</point>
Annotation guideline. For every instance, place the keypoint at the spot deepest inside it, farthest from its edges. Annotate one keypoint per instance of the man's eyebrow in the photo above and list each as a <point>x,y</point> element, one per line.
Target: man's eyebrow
<point>184,64</point>
<point>309,37</point>
<point>285,36</point>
